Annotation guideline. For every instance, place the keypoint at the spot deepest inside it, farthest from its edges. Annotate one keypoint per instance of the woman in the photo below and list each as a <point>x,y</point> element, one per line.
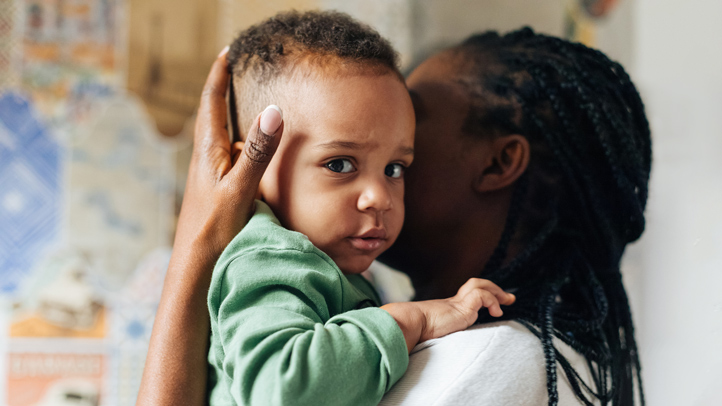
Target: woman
<point>531,168</point>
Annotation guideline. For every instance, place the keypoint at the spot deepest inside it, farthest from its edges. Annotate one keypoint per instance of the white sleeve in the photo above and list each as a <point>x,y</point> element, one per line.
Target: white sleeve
<point>510,372</point>
<point>495,364</point>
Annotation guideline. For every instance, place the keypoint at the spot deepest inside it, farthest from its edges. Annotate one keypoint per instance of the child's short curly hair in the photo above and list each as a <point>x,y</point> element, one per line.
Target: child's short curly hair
<point>325,39</point>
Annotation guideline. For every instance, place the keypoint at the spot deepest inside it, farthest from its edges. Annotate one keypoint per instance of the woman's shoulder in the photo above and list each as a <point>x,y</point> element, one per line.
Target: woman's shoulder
<point>498,363</point>
<point>484,337</point>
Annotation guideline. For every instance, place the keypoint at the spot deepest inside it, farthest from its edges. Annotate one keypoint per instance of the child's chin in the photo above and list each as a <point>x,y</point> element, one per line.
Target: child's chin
<point>356,266</point>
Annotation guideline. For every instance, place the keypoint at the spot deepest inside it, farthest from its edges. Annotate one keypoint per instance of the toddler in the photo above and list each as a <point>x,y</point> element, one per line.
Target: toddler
<point>292,319</point>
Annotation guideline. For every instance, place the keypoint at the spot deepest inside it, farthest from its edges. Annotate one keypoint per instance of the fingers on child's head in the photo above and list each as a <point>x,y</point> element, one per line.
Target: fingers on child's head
<point>271,119</point>
<point>260,146</point>
<point>212,109</point>
<point>236,150</point>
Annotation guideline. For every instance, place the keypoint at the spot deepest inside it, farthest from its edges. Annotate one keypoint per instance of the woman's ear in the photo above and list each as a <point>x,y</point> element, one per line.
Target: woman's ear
<point>506,162</point>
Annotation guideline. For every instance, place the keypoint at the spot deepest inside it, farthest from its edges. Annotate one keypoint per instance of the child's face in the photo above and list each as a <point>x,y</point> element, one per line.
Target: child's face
<point>338,174</point>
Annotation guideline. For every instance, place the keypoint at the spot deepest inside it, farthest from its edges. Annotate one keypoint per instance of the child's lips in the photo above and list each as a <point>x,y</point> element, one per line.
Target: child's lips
<point>367,244</point>
<point>370,240</point>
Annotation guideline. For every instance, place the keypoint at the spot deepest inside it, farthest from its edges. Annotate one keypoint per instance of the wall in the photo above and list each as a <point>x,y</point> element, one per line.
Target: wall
<point>677,65</point>
<point>442,23</point>
<point>169,51</point>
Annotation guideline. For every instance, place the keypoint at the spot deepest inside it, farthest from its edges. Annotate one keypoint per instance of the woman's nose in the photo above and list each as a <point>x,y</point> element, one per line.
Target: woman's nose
<point>375,196</point>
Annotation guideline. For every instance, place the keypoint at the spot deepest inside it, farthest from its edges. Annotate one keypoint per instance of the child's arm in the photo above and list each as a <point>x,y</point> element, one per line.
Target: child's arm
<point>424,320</point>
<point>280,343</point>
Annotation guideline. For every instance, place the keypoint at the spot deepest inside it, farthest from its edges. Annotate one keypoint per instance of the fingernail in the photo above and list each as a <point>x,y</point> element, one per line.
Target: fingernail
<point>271,119</point>
<point>224,51</point>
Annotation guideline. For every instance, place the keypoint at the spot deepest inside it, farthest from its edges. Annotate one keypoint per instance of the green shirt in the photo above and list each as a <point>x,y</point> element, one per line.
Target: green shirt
<point>288,328</point>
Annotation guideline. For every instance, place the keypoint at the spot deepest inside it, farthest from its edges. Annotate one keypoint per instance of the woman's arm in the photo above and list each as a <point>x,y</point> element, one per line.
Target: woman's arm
<point>218,201</point>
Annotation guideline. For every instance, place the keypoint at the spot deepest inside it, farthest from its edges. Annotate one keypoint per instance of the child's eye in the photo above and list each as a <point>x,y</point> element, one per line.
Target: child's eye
<point>341,166</point>
<point>394,170</point>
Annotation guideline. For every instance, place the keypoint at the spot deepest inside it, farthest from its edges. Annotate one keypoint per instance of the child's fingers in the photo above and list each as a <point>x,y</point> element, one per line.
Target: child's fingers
<point>506,298</point>
<point>477,283</point>
<point>477,298</point>
<point>492,303</point>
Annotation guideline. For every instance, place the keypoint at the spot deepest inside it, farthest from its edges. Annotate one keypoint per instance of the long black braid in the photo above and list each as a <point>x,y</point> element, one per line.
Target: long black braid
<point>579,204</point>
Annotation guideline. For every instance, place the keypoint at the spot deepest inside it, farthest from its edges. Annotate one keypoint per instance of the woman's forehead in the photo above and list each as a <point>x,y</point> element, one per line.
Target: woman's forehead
<point>446,64</point>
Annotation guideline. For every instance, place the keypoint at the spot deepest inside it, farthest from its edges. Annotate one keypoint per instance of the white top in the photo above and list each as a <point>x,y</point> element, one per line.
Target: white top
<point>495,364</point>
<point>492,364</point>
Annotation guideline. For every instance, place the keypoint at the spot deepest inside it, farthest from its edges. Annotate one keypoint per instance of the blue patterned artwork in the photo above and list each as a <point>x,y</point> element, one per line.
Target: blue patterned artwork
<point>30,189</point>
<point>133,313</point>
<point>121,189</point>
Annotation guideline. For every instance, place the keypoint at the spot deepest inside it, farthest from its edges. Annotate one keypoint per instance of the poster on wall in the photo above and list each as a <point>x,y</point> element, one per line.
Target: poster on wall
<point>582,18</point>
<point>133,313</point>
<point>60,301</point>
<point>122,177</point>
<point>598,8</point>
<point>71,53</point>
<point>9,43</point>
<point>55,379</point>
<point>30,189</point>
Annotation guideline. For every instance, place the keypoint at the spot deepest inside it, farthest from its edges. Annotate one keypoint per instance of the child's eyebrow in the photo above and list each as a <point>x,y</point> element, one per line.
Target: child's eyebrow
<point>356,146</point>
<point>341,145</point>
<point>406,150</point>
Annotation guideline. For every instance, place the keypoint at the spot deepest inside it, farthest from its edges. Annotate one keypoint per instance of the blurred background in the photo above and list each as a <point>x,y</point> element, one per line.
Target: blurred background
<point>97,99</point>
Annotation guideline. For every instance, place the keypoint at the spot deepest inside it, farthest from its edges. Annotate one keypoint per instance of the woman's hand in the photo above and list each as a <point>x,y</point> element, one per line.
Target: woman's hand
<point>222,184</point>
<point>223,178</point>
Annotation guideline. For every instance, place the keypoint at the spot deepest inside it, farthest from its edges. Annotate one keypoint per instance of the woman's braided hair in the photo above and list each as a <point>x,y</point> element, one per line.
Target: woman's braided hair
<point>579,204</point>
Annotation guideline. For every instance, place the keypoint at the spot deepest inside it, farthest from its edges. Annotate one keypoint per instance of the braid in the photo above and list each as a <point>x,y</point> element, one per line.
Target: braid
<point>579,204</point>
<point>546,315</point>
<point>499,254</point>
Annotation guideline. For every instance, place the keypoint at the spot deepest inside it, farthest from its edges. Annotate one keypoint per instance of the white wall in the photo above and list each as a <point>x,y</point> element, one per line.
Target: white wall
<point>442,23</point>
<point>418,27</point>
<point>677,63</point>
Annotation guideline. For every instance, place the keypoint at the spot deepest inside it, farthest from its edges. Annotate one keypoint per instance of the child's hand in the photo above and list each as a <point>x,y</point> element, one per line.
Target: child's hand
<point>446,316</point>
<point>421,321</point>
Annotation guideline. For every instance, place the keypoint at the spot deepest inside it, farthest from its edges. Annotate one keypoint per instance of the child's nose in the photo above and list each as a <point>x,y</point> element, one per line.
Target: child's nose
<point>375,196</point>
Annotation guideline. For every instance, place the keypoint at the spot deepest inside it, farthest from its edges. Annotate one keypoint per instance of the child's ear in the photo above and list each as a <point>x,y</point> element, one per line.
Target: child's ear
<point>505,163</point>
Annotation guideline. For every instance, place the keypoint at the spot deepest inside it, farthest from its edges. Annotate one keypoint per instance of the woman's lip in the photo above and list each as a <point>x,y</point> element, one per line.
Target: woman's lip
<point>367,244</point>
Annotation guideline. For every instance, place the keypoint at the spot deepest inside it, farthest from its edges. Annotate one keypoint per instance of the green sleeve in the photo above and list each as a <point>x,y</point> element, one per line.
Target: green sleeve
<point>282,343</point>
